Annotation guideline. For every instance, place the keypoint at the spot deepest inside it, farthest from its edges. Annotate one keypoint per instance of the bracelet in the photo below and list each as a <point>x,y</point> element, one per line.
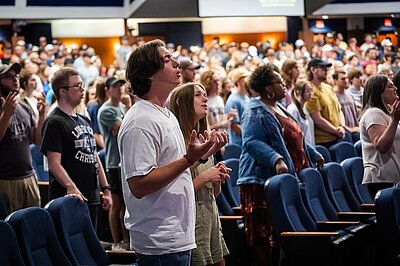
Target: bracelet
<point>201,161</point>
<point>105,188</point>
<point>188,159</point>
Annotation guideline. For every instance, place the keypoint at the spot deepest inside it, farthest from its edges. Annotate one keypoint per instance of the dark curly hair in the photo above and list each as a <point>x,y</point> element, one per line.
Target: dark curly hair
<point>261,77</point>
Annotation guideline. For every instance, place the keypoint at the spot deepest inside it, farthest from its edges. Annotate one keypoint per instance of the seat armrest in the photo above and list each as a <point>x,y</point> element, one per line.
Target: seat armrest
<point>355,216</point>
<point>237,210</point>
<point>309,234</point>
<point>334,225</point>
<point>368,207</point>
<point>231,217</point>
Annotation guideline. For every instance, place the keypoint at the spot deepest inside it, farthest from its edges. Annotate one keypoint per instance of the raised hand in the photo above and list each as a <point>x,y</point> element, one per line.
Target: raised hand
<point>197,150</point>
<point>222,139</point>
<point>9,104</point>
<point>41,102</point>
<point>394,110</point>
<point>224,171</point>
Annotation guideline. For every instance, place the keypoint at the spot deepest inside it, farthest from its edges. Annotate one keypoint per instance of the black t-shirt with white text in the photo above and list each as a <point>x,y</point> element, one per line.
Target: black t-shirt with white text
<point>73,138</point>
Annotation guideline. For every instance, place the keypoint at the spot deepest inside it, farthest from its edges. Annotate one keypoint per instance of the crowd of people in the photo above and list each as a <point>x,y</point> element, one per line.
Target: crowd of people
<point>163,114</point>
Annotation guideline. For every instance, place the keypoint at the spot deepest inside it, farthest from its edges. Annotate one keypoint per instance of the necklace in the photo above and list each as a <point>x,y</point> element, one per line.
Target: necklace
<point>164,111</point>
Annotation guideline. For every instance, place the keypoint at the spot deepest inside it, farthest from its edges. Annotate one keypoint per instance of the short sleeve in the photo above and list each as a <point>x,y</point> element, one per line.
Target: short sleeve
<point>51,137</point>
<point>140,156</point>
<point>313,105</point>
<point>374,116</point>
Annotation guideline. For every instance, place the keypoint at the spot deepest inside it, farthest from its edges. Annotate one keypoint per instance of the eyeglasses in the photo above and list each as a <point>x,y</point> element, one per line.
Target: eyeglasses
<point>282,82</point>
<point>11,76</point>
<point>79,85</point>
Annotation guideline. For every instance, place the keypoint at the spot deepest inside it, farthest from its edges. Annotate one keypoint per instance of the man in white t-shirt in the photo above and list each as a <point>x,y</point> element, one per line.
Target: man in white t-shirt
<point>157,184</point>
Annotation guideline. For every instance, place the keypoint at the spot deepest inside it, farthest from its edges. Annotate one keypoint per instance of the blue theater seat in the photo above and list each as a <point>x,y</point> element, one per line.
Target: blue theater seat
<point>75,232</point>
<point>9,250</point>
<point>37,238</point>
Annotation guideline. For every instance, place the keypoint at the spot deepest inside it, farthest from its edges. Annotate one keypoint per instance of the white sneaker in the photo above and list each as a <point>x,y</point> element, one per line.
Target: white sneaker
<point>117,246</point>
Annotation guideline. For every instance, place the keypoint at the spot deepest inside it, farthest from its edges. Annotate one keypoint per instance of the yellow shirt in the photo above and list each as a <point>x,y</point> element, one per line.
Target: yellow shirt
<point>324,100</point>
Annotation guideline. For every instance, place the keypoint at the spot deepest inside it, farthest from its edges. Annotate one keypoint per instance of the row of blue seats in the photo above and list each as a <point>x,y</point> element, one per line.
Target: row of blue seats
<point>315,225</point>
<point>315,199</point>
<point>59,234</point>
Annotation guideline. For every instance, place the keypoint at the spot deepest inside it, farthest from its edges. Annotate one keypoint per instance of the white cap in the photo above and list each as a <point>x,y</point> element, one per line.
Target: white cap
<point>253,50</point>
<point>48,47</point>
<point>299,43</point>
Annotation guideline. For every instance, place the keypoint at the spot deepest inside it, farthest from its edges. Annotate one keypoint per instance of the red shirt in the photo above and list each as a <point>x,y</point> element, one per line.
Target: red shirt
<point>294,141</point>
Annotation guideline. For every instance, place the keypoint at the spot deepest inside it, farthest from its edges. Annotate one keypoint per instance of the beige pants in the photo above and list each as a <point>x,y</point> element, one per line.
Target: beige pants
<point>20,193</point>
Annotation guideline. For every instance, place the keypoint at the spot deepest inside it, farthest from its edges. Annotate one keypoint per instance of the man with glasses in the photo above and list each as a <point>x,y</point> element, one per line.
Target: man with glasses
<point>18,183</point>
<point>74,165</point>
<point>324,107</point>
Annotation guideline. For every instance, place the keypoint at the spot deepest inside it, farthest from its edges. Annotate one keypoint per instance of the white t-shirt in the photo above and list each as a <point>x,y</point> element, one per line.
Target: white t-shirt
<point>379,167</point>
<point>216,110</point>
<point>307,124</point>
<point>162,222</point>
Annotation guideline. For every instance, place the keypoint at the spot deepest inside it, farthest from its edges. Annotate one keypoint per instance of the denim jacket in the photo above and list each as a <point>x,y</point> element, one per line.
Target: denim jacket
<point>263,144</point>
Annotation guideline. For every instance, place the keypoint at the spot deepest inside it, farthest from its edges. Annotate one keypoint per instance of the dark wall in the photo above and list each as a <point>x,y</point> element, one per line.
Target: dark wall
<point>32,32</point>
<point>100,3</point>
<point>373,24</point>
<point>5,33</point>
<point>7,2</point>
<point>184,33</point>
<point>335,24</point>
<point>294,25</point>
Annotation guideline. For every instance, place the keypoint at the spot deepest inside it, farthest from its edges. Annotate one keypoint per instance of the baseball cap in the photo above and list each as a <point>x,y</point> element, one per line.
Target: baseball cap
<point>316,62</point>
<point>188,64</point>
<point>239,73</point>
<point>5,68</point>
<point>114,80</point>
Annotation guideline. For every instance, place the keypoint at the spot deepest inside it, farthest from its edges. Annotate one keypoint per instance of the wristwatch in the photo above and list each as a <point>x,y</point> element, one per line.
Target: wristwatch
<point>202,161</point>
<point>105,188</point>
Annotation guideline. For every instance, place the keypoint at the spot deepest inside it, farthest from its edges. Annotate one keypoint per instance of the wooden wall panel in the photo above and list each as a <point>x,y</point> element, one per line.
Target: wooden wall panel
<point>251,38</point>
<point>104,47</point>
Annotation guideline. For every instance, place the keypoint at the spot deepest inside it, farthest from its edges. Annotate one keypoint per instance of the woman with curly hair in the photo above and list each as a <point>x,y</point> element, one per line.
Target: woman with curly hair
<point>273,143</point>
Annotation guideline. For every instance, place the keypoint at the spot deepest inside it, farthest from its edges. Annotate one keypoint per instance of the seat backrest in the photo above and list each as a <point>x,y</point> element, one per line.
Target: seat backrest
<point>324,152</point>
<point>38,163</point>
<point>223,206</point>
<point>342,150</point>
<point>387,207</point>
<point>3,208</point>
<point>286,206</point>
<point>316,199</point>
<point>232,151</point>
<point>37,238</point>
<point>75,231</point>
<point>354,169</point>
<point>9,250</point>
<point>230,188</point>
<point>358,147</point>
<point>338,189</point>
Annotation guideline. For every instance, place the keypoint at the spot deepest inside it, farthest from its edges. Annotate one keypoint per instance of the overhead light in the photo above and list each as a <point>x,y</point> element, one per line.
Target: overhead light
<point>325,17</point>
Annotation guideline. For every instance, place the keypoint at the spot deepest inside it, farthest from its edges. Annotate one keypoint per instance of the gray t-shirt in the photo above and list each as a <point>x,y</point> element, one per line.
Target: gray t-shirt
<point>107,116</point>
<point>379,167</point>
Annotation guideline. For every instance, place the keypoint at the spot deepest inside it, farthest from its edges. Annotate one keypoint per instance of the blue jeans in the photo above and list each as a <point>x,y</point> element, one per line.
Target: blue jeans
<point>174,259</point>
